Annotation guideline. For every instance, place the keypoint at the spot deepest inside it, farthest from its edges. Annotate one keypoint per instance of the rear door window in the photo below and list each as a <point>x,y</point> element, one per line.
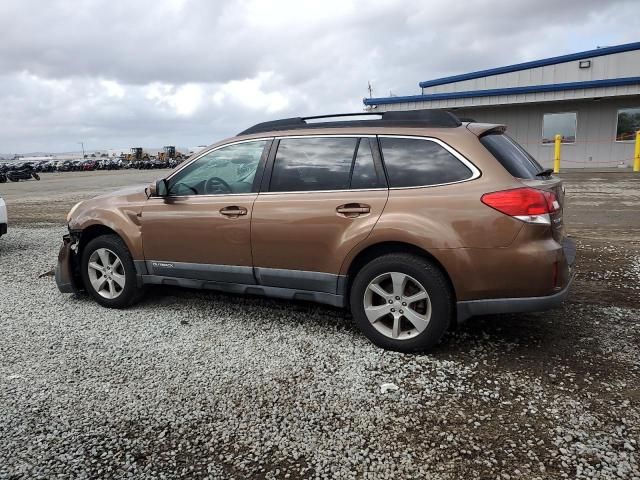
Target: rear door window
<point>513,157</point>
<point>413,162</point>
<point>312,164</point>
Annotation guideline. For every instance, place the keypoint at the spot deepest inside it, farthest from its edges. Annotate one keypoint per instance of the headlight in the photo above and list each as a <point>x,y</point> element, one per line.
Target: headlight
<point>71,212</point>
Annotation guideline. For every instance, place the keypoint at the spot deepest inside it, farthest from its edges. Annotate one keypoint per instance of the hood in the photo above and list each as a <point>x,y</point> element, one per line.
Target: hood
<point>126,202</point>
<point>131,190</point>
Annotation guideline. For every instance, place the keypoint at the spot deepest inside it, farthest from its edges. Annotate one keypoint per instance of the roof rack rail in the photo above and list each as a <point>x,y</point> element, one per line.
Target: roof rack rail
<point>409,118</point>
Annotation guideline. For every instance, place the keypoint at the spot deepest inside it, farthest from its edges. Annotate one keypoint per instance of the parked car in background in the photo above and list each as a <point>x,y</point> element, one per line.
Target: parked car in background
<point>89,165</point>
<point>412,221</point>
<point>3,217</point>
<point>48,166</point>
<point>64,166</point>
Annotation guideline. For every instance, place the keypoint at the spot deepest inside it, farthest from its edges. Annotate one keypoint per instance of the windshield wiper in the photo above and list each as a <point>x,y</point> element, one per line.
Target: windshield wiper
<point>545,173</point>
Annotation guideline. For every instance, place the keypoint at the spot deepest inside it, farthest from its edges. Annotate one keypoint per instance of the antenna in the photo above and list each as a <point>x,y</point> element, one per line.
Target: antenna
<point>370,88</point>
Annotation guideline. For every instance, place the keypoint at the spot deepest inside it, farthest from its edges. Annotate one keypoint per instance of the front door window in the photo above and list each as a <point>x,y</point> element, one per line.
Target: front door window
<point>227,170</point>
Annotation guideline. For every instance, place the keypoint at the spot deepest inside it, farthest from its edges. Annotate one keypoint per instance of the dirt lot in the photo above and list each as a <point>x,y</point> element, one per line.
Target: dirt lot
<point>50,199</point>
<point>198,384</point>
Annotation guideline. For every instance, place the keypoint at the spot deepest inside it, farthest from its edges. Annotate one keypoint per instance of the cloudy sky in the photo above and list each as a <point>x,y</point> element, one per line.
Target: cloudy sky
<point>116,73</point>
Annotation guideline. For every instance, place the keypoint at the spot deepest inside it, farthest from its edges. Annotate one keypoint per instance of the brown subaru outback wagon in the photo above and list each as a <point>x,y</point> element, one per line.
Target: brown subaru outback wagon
<point>412,220</point>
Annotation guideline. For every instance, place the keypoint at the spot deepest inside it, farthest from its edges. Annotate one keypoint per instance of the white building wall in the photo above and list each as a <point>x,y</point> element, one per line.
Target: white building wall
<point>617,65</point>
<point>596,128</point>
<point>595,137</point>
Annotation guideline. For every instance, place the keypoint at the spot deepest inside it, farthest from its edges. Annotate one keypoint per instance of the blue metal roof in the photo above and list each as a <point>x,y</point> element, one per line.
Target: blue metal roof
<point>552,87</point>
<point>598,52</point>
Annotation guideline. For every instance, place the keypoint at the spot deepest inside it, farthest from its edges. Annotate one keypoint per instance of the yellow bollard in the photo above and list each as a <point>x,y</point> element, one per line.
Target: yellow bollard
<point>636,158</point>
<point>556,155</point>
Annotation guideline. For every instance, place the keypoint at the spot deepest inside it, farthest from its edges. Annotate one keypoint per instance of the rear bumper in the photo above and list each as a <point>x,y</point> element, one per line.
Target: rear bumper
<point>491,306</point>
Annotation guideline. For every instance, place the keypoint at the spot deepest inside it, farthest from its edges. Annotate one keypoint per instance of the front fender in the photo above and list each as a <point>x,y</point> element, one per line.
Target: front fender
<point>123,221</point>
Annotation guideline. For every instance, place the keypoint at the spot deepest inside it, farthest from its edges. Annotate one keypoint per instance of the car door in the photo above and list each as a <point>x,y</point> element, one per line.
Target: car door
<point>321,196</point>
<point>202,228</point>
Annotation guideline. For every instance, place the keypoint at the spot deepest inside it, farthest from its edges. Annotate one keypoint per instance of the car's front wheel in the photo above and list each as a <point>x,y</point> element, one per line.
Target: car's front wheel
<point>401,302</point>
<point>108,272</point>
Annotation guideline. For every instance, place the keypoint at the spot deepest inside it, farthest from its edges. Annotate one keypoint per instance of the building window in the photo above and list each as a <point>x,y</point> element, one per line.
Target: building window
<point>564,124</point>
<point>628,124</point>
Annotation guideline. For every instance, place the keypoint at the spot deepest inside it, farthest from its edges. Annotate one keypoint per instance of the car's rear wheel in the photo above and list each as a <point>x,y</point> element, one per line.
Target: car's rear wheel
<point>108,272</point>
<point>401,302</point>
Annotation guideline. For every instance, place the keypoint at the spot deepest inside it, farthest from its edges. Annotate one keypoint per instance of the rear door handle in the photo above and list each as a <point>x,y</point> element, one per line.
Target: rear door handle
<point>233,211</point>
<point>353,209</point>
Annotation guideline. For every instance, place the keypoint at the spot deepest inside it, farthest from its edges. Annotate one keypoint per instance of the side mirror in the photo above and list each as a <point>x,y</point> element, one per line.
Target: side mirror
<point>158,189</point>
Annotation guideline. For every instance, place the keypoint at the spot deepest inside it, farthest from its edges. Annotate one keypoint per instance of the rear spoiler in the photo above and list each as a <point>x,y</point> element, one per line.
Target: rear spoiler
<point>482,129</point>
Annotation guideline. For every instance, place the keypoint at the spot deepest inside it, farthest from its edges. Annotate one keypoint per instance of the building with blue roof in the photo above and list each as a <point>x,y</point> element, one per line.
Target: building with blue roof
<point>591,98</point>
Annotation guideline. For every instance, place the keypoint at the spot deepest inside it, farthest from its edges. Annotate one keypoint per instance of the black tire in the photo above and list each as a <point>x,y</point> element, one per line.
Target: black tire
<point>431,279</point>
<point>130,294</point>
<point>36,176</point>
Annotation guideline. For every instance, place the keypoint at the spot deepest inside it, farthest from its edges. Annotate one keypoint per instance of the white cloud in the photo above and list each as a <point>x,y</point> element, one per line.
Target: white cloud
<point>113,89</point>
<point>183,100</point>
<point>192,71</point>
<point>250,93</point>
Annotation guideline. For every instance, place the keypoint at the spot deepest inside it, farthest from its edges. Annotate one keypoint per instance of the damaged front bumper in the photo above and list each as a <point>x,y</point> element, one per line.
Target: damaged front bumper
<point>66,268</point>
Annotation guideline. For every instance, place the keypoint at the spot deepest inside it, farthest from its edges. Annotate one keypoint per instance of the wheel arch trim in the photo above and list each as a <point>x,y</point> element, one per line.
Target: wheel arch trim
<point>359,258</point>
<point>86,233</point>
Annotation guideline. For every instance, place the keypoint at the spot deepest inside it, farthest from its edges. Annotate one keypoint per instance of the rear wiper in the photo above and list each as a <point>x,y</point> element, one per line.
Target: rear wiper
<point>545,173</point>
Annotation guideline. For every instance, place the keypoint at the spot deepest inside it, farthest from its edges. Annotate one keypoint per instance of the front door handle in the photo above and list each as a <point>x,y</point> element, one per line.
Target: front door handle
<point>352,210</point>
<point>233,211</point>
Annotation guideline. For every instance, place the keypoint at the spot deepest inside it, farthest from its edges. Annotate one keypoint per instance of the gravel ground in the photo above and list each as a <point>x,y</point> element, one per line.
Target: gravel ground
<point>203,385</point>
<point>196,384</point>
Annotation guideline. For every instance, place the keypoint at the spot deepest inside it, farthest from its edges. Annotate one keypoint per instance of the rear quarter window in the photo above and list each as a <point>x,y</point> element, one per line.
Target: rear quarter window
<point>513,157</point>
<point>414,162</point>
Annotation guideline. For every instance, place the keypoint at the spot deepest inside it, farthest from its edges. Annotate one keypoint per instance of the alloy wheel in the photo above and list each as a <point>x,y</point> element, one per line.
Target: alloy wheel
<point>397,305</point>
<point>106,273</point>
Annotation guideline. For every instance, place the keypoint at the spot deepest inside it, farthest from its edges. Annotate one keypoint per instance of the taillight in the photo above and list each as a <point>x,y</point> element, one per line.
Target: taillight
<point>527,204</point>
